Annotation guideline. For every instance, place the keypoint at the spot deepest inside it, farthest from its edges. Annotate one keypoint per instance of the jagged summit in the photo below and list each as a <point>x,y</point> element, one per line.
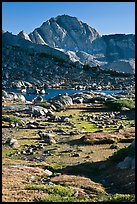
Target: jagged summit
<point>65,32</point>
<point>63,16</point>
<point>24,35</point>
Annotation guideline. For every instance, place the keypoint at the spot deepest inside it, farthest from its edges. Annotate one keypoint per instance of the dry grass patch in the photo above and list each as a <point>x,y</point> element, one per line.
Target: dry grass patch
<point>9,161</point>
<point>77,106</point>
<point>108,138</point>
<point>14,181</point>
<point>78,181</point>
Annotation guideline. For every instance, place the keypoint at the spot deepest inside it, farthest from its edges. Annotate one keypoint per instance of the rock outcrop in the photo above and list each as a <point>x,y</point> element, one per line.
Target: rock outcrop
<point>129,161</point>
<point>24,35</point>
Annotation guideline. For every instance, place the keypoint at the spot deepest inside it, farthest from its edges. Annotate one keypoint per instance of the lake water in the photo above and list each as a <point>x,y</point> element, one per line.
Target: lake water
<point>50,93</point>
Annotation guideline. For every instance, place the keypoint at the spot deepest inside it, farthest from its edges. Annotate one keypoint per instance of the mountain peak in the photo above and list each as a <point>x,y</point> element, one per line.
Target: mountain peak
<point>65,32</point>
<point>63,16</point>
<point>66,16</point>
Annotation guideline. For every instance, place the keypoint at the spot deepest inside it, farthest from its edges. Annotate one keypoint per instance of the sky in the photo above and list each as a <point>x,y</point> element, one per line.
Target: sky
<point>105,17</point>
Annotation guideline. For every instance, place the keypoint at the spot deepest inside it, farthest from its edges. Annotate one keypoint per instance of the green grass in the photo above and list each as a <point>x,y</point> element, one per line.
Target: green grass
<point>113,198</point>
<point>60,193</point>
<point>58,198</point>
<point>57,165</point>
<point>7,151</point>
<point>82,125</point>
<point>89,127</point>
<point>56,193</point>
<point>120,198</point>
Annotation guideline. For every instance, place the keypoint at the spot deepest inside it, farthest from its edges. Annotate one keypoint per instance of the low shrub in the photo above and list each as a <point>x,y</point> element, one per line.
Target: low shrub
<point>43,54</point>
<point>12,119</point>
<point>120,103</point>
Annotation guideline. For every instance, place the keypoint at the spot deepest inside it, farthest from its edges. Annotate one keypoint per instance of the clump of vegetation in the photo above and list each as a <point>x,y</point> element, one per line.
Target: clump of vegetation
<point>44,104</point>
<point>55,189</point>
<point>120,103</point>
<point>120,198</point>
<point>57,165</point>
<point>60,193</point>
<point>15,119</point>
<point>109,198</point>
<point>8,152</point>
<point>58,198</point>
<point>59,60</point>
<point>122,153</point>
<point>56,193</point>
<point>86,67</point>
<point>12,118</point>
<point>43,54</point>
<point>15,47</point>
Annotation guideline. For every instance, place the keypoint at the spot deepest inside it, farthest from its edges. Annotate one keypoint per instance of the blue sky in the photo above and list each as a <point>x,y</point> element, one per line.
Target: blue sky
<point>105,17</point>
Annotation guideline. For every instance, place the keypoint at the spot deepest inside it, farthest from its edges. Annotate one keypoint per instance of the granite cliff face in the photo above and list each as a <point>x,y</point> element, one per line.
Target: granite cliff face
<point>65,32</point>
<point>119,46</point>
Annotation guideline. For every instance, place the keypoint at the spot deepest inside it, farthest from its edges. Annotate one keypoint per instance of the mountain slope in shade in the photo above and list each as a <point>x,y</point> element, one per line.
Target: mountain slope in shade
<point>9,39</point>
<point>122,65</point>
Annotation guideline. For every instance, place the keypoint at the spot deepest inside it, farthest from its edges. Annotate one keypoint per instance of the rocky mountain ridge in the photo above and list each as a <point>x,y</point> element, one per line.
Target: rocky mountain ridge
<point>70,34</point>
<point>61,46</point>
